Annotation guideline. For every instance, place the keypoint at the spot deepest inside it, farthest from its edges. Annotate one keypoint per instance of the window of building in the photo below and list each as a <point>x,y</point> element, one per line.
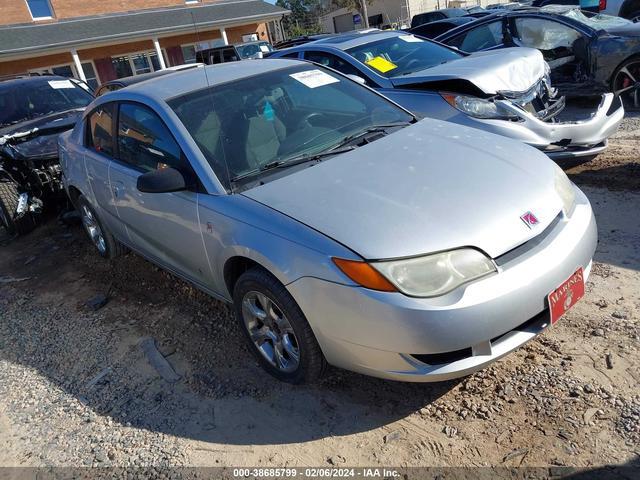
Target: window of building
<point>137,63</point>
<point>40,9</point>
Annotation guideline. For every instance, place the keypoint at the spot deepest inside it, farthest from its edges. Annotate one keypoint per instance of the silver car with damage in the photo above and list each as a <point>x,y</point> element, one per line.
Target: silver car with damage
<point>343,231</point>
<point>507,92</point>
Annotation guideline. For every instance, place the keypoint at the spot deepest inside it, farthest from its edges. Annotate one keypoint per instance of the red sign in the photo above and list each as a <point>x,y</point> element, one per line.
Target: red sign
<point>566,295</point>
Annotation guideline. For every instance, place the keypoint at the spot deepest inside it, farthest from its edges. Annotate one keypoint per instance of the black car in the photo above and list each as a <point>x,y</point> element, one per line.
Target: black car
<point>433,29</point>
<point>441,14</point>
<point>587,53</point>
<point>34,110</point>
<point>301,40</point>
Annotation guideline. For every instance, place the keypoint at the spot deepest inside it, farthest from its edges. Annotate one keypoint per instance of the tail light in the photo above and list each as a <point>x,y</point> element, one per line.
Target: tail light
<point>602,5</point>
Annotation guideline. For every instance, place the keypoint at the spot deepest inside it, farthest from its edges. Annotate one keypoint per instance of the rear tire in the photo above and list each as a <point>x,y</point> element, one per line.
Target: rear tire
<point>101,238</point>
<point>14,224</point>
<point>277,331</point>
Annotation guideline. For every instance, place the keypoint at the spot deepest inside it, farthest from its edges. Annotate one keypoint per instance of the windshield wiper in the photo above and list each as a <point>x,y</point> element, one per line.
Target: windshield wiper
<point>290,162</point>
<point>375,128</point>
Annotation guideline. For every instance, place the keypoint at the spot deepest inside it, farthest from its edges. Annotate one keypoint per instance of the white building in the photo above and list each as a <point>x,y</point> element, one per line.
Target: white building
<point>392,13</point>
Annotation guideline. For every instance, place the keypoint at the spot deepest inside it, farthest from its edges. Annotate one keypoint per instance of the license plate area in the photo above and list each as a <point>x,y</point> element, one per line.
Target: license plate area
<point>566,295</point>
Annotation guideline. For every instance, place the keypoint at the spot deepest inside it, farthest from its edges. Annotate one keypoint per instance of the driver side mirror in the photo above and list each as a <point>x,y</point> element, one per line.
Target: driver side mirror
<point>163,180</point>
<point>357,78</point>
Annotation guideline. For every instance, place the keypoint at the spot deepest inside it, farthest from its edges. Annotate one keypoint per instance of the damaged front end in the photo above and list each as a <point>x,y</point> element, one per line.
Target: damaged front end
<point>542,119</point>
<point>30,175</point>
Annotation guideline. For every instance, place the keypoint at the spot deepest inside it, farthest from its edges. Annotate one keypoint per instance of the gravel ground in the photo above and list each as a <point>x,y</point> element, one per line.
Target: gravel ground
<point>77,389</point>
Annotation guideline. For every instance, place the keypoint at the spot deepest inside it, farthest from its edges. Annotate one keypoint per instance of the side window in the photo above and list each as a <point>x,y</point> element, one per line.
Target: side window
<point>544,34</point>
<point>100,130</point>
<point>480,38</point>
<point>144,141</point>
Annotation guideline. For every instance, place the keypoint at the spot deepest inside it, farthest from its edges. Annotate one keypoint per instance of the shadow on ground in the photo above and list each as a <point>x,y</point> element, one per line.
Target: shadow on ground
<point>223,395</point>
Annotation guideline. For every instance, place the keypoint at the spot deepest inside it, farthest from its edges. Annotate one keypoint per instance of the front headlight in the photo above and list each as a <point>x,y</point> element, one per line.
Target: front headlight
<point>565,190</point>
<point>477,107</point>
<point>437,274</point>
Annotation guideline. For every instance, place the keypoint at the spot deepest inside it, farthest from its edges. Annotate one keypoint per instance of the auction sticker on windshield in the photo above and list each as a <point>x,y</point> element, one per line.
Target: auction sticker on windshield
<point>566,295</point>
<point>409,38</point>
<point>314,78</point>
<point>57,84</point>
<point>381,64</point>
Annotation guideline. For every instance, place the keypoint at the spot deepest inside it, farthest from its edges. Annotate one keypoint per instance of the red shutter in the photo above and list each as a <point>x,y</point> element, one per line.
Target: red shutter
<point>105,69</point>
<point>175,56</point>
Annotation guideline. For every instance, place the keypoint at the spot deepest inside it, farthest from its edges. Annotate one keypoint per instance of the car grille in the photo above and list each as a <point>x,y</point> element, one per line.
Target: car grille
<point>538,100</point>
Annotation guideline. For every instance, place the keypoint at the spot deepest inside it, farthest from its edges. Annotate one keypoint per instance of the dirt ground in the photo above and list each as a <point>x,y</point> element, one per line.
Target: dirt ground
<point>76,388</point>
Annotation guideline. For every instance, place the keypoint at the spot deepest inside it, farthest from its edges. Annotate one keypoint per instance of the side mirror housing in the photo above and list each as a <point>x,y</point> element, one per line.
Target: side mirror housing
<point>163,180</point>
<point>357,78</point>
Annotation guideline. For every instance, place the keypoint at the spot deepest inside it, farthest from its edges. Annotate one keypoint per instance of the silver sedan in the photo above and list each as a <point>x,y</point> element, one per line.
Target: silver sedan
<point>343,231</point>
<point>507,92</point>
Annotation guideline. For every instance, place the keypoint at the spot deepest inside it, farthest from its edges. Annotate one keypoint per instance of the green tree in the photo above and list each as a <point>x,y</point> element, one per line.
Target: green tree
<point>304,17</point>
<point>357,5</point>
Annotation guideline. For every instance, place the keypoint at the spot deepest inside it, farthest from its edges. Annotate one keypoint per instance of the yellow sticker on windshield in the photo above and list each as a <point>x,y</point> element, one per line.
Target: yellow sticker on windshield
<point>381,64</point>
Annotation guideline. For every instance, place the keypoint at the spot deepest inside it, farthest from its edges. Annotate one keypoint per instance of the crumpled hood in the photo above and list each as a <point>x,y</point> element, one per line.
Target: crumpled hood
<point>428,187</point>
<point>510,69</point>
<point>44,143</point>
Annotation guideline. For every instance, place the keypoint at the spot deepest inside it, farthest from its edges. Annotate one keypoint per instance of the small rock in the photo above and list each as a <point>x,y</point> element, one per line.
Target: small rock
<point>602,303</point>
<point>598,332</point>
<point>588,414</point>
<point>390,437</point>
<point>519,452</point>
<point>619,315</point>
<point>575,393</point>
<point>97,302</point>
<point>587,388</point>
<point>450,431</point>
<point>336,460</point>
<point>609,359</point>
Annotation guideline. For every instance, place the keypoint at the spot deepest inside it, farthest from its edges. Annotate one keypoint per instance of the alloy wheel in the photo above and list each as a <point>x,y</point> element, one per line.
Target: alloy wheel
<point>270,331</point>
<point>626,84</point>
<point>93,229</point>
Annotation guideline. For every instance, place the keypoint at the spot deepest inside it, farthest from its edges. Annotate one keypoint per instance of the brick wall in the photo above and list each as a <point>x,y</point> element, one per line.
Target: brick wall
<point>16,11</point>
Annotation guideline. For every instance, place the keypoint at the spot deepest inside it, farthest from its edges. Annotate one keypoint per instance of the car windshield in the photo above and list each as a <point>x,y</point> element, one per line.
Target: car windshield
<point>253,49</point>
<point>245,125</point>
<point>402,55</point>
<point>24,101</point>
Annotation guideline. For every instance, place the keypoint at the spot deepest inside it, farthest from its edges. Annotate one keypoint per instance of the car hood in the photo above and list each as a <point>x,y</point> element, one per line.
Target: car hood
<point>510,69</point>
<point>428,187</point>
<point>43,142</point>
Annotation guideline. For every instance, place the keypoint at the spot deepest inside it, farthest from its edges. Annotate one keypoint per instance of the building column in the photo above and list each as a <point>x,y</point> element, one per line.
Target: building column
<point>156,44</point>
<point>223,32</point>
<point>76,62</point>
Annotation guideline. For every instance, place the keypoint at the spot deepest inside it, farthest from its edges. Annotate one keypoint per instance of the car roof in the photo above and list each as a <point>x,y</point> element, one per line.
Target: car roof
<point>181,82</point>
<point>29,79</point>
<point>349,40</point>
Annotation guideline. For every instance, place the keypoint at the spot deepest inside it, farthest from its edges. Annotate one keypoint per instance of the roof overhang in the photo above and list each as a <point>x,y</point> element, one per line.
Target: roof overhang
<point>30,40</point>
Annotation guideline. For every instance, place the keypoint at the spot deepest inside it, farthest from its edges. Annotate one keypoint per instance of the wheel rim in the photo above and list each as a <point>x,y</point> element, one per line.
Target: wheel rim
<point>627,84</point>
<point>93,229</point>
<point>270,331</point>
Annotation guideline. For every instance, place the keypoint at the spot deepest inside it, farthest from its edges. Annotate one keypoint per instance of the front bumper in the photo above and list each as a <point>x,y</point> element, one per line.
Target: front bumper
<point>567,139</point>
<point>386,334</point>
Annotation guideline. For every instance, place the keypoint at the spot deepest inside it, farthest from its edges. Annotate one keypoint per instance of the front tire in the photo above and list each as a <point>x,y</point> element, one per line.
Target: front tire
<point>101,238</point>
<point>625,83</point>
<point>13,223</point>
<point>276,329</point>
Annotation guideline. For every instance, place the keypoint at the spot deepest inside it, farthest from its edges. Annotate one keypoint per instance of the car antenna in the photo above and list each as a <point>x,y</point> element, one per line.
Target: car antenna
<point>210,95</point>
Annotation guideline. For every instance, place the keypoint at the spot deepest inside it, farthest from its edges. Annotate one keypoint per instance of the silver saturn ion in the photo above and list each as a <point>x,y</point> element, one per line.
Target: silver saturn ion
<point>343,231</point>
